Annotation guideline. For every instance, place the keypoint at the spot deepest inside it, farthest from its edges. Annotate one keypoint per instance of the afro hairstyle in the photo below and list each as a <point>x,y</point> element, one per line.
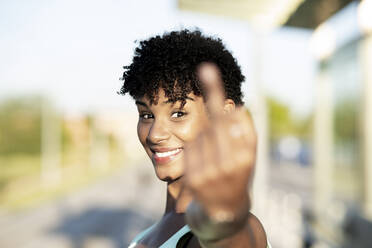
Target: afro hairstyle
<point>170,62</point>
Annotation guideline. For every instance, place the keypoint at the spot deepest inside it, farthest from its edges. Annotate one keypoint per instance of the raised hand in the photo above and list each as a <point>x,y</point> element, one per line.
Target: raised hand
<point>219,163</point>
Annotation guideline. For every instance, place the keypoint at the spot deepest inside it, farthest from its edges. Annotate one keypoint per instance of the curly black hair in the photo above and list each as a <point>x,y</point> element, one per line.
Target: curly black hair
<point>170,62</point>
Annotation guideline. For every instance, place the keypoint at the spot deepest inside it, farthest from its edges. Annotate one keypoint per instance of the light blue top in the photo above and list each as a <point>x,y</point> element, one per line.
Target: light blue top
<point>171,242</point>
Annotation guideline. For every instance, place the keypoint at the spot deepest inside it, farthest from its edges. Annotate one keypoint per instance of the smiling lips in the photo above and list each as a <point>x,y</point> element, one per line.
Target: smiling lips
<point>163,157</point>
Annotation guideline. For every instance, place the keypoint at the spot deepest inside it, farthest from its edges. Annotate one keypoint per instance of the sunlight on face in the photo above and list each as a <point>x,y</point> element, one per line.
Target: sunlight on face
<point>164,128</point>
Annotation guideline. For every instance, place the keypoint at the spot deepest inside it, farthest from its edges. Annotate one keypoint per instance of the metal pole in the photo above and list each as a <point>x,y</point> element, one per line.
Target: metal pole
<point>260,113</point>
<point>366,65</point>
<point>323,140</point>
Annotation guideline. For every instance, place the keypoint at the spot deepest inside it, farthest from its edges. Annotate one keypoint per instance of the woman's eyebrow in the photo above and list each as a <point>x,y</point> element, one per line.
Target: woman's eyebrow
<point>188,98</point>
<point>138,102</point>
<point>141,103</point>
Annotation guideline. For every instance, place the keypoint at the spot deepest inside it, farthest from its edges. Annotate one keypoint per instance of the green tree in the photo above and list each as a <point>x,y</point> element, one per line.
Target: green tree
<point>282,121</point>
<point>20,125</point>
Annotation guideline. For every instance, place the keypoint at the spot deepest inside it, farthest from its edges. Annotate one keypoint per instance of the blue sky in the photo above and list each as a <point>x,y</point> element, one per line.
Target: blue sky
<point>74,51</point>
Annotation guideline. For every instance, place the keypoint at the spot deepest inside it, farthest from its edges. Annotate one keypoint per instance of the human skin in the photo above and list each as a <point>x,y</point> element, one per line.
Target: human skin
<point>166,126</point>
<point>208,166</point>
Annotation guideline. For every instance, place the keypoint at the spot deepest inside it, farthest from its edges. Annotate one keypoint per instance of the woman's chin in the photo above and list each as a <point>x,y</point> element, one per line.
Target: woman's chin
<point>168,170</point>
<point>168,173</point>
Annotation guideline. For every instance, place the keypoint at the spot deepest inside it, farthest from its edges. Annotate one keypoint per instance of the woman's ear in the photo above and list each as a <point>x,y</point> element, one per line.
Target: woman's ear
<point>229,106</point>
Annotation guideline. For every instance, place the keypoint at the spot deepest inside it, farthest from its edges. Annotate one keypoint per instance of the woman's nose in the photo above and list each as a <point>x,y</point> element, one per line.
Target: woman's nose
<point>158,133</point>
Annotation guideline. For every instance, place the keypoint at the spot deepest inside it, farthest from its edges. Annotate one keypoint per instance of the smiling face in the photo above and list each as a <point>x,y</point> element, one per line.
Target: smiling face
<point>164,128</point>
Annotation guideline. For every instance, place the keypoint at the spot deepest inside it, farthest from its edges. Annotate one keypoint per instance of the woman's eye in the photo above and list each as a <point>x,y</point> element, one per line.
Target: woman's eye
<point>145,116</point>
<point>178,114</point>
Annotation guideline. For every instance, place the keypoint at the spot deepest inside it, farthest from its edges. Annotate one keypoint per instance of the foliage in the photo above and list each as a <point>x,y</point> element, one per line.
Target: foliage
<point>345,121</point>
<point>20,126</point>
<point>21,123</point>
<point>283,122</point>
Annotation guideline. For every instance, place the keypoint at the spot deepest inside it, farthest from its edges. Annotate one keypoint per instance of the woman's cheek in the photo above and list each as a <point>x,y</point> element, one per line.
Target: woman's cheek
<point>187,131</point>
<point>141,133</point>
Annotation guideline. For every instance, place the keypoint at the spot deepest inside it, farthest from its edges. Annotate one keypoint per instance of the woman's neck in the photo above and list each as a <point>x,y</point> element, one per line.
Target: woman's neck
<point>178,198</point>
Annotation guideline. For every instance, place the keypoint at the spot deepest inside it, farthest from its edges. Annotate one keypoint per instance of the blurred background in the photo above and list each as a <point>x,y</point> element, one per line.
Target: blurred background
<point>72,173</point>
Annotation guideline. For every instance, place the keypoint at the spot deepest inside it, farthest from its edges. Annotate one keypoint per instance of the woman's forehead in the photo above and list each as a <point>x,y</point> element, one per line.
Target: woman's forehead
<point>163,99</point>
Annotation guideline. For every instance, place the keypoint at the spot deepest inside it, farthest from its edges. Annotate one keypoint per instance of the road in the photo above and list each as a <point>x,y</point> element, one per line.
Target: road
<point>107,214</point>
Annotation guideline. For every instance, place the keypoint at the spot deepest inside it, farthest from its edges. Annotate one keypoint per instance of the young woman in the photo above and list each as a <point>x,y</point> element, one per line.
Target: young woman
<point>201,141</point>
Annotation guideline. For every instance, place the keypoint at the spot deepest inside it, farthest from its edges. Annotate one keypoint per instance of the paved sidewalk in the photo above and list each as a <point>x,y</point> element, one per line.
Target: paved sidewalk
<point>107,214</point>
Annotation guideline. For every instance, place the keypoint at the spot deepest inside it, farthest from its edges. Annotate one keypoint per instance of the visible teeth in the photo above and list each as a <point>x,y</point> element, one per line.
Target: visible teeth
<point>166,154</point>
